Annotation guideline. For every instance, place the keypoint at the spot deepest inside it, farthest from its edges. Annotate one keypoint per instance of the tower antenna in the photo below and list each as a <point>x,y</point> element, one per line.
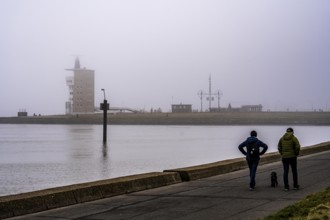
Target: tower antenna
<point>210,96</point>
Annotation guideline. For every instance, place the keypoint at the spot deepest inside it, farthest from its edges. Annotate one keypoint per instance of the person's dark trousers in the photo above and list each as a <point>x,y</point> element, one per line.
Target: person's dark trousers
<point>253,164</point>
<point>287,162</point>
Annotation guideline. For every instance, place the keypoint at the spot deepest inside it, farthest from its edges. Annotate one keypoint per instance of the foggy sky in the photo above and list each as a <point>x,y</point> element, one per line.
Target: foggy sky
<point>154,53</point>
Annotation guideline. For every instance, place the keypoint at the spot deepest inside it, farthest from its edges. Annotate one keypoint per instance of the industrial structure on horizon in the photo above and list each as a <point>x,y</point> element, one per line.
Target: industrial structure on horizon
<point>82,96</point>
<point>210,97</point>
<point>81,90</point>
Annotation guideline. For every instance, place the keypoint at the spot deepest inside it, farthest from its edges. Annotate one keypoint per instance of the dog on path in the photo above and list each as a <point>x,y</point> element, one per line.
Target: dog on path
<point>273,179</point>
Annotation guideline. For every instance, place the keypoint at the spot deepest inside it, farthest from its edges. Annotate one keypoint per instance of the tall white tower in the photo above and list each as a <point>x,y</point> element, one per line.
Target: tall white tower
<point>81,90</point>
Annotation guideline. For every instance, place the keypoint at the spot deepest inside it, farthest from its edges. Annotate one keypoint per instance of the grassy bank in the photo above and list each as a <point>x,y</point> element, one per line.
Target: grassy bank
<point>219,118</point>
<point>315,206</point>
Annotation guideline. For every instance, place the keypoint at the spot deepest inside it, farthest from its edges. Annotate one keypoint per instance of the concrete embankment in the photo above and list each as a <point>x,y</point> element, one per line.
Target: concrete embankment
<point>216,118</point>
<point>20,204</point>
<point>226,166</point>
<point>15,205</point>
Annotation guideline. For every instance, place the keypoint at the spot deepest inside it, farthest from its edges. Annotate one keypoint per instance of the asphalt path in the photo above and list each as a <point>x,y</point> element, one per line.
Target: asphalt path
<point>224,196</point>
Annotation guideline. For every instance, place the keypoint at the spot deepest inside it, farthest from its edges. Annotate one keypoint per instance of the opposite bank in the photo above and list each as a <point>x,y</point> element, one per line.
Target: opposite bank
<point>217,118</point>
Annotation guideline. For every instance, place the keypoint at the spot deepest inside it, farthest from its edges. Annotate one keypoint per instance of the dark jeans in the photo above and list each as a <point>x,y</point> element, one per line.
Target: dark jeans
<point>287,162</point>
<point>253,164</point>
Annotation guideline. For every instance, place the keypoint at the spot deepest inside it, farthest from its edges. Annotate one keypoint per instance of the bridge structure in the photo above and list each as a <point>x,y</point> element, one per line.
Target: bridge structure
<point>123,109</point>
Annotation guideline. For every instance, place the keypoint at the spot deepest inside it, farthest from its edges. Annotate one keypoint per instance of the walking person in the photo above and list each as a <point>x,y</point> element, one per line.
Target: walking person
<point>251,148</point>
<point>289,147</point>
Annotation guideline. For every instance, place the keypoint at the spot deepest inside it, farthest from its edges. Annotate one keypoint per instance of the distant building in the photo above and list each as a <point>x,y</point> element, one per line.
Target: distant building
<point>251,108</point>
<point>243,108</point>
<point>81,90</point>
<point>181,108</point>
<point>22,113</point>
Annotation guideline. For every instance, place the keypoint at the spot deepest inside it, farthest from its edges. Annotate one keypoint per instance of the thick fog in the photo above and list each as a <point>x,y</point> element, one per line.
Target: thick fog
<point>154,53</point>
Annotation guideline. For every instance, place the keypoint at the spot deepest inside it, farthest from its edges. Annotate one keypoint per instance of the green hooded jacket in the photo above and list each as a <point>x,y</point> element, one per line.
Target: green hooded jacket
<point>288,146</point>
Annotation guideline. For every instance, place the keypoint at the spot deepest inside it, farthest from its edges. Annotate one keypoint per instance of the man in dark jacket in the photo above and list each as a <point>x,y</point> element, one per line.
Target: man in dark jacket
<point>289,147</point>
<point>252,151</point>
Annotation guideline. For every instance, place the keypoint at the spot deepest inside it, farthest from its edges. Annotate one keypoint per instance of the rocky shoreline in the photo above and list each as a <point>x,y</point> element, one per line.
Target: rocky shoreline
<point>219,118</point>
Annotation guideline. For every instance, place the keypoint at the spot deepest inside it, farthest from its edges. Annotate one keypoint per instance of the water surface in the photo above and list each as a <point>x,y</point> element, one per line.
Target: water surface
<point>34,157</point>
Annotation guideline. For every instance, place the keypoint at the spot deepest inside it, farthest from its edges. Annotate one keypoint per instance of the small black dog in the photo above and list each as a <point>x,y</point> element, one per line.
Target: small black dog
<point>273,179</point>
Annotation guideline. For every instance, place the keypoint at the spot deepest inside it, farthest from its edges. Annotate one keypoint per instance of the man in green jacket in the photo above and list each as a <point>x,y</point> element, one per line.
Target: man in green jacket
<point>289,148</point>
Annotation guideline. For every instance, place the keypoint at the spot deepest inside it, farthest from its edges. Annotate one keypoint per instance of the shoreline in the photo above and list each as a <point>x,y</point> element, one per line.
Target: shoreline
<point>37,201</point>
<point>214,118</point>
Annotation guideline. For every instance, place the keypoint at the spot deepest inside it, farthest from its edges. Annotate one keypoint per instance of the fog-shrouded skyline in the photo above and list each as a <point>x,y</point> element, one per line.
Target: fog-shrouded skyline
<point>151,54</point>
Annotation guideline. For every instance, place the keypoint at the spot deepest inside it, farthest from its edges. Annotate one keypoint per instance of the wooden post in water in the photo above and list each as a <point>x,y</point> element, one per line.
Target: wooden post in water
<point>105,107</point>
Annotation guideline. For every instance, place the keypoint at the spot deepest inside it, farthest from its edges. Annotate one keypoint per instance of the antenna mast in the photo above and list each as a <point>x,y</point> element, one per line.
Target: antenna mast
<point>210,96</point>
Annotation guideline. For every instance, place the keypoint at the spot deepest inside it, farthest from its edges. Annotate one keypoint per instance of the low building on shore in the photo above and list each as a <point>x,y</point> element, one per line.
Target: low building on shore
<point>181,108</point>
<point>243,108</point>
<point>22,113</point>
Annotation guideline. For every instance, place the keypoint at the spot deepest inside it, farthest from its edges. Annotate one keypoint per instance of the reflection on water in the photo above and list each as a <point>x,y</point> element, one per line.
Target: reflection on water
<point>35,157</point>
<point>105,151</point>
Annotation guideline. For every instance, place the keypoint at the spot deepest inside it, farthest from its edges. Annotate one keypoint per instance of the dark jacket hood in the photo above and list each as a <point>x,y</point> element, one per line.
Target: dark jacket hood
<point>251,140</point>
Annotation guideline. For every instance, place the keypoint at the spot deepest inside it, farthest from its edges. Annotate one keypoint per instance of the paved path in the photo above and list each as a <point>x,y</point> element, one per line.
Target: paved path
<point>220,197</point>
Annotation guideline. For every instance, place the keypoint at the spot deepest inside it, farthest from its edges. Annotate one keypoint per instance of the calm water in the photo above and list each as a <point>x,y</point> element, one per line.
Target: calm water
<point>34,157</point>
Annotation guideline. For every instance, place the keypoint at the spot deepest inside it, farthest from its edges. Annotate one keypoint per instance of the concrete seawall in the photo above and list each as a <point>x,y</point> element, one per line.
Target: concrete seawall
<point>25,203</point>
<point>221,167</point>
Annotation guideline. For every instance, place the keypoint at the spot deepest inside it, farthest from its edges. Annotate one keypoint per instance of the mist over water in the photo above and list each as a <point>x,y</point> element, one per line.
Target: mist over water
<point>34,157</point>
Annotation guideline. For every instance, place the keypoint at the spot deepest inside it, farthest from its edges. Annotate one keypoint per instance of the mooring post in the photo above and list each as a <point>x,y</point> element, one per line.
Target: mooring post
<point>105,121</point>
<point>104,106</point>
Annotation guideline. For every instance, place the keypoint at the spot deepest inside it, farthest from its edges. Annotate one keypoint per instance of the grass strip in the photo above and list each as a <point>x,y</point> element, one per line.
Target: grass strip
<point>314,206</point>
